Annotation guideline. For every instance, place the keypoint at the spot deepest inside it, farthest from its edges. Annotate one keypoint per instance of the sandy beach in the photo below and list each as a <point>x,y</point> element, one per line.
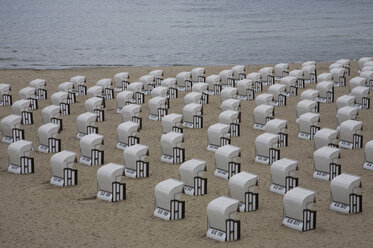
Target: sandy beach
<point>34,213</point>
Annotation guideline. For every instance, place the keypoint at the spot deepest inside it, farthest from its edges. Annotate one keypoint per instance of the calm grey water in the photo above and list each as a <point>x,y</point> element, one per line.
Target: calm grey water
<point>70,33</point>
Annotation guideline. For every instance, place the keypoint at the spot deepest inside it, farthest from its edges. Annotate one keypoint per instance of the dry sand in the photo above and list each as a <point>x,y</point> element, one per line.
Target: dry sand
<point>34,213</point>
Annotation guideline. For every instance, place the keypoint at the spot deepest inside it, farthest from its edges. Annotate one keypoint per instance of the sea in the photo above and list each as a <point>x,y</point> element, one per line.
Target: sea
<point>53,34</point>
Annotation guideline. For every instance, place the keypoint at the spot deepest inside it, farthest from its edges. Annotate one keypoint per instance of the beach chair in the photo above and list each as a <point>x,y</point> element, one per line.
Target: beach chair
<point>310,94</point>
<point>308,125</point>
<point>238,72</point>
<point>362,61</point>
<point>228,93</point>
<point>86,124</point>
<point>266,76</point>
<point>96,91</point>
<point>198,75</point>
<point>299,75</point>
<point>350,137</point>
<point>158,76</point>
<point>298,213</point>
<point>339,76</point>
<point>52,113</point>
<point>19,159</point>
<point>11,129</point>
<point>362,100</point>
<point>121,81</point>
<point>131,112</point>
<point>241,188</point>
<point>170,83</point>
<point>127,132</point>
<point>149,83</point>
<point>29,93</point>
<point>221,225</point>
<point>190,173</point>
<point>23,108</point>
<point>357,81</point>
<point>68,87</point>
<point>346,113</point>
<point>160,91</point>
<point>158,107</point>
<point>245,90</point>
<point>213,85</point>
<point>109,187</point>
<point>60,98</point>
<point>193,97</point>
<point>108,92</point>
<point>95,105</point>
<point>305,106</point>
<point>345,63</point>
<point>124,98</point>
<point>79,85</point>
<point>202,89</point>
<point>226,79</point>
<point>279,127</point>
<point>167,200</point>
<point>282,176</point>
<point>135,161</point>
<point>172,152</point>
<point>368,156</point>
<point>139,91</point>
<point>255,77</point>
<point>262,114</point>
<point>368,75</point>
<point>326,137</point>
<point>343,194</point>
<point>62,172</point>
<point>5,97</point>
<point>345,100</point>
<point>184,81</point>
<point>231,104</point>
<point>308,63</point>
<point>226,161</point>
<point>218,135</point>
<point>325,165</point>
<point>264,98</point>
<point>281,70</point>
<point>266,151</point>
<point>279,95</point>
<point>309,74</point>
<point>48,142</point>
<point>172,123</point>
<point>326,76</point>
<point>89,149</point>
<point>233,119</point>
<point>39,84</point>
<point>326,92</point>
<point>193,116</point>
<point>291,84</point>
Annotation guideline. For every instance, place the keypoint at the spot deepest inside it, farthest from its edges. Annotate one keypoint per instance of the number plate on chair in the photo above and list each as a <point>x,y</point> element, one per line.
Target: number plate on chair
<point>14,169</point>
<point>368,166</point>
<point>130,173</point>
<point>321,175</point>
<point>293,223</point>
<point>85,160</point>
<point>57,181</point>
<point>216,234</point>
<point>275,188</point>
<point>43,148</point>
<point>221,173</point>
<point>106,196</point>
<point>161,213</point>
